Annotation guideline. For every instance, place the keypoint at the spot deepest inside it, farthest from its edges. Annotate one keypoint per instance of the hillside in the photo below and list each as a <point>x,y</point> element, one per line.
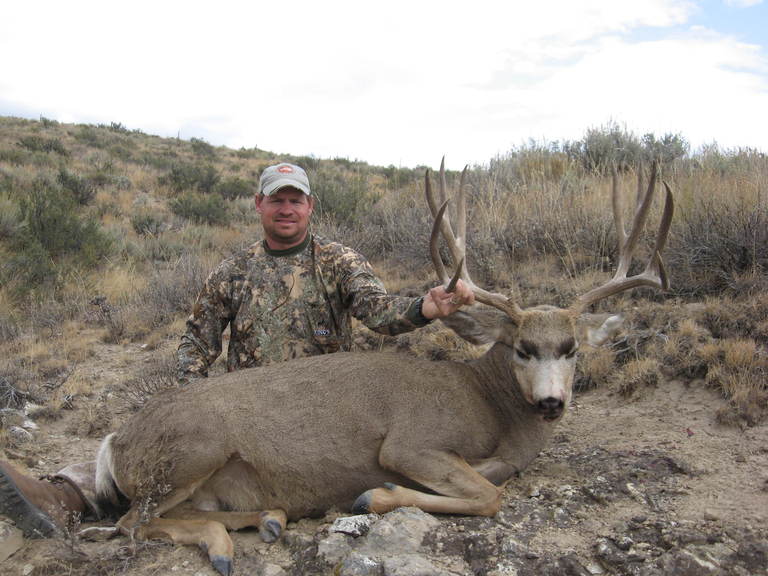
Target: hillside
<point>106,235</point>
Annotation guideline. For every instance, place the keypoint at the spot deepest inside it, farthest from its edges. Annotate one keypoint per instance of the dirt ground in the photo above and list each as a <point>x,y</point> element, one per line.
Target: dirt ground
<point>655,468</point>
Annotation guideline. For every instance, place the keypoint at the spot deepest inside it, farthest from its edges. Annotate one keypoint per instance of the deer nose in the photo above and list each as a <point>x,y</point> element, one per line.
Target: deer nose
<point>550,407</point>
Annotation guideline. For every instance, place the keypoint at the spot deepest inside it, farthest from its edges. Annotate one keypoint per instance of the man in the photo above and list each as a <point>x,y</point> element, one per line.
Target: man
<point>291,295</point>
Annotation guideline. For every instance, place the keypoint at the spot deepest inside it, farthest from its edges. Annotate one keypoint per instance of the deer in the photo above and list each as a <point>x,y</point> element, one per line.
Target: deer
<point>364,431</point>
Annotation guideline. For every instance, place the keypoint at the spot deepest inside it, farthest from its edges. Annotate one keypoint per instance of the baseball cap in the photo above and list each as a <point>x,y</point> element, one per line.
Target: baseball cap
<point>284,175</point>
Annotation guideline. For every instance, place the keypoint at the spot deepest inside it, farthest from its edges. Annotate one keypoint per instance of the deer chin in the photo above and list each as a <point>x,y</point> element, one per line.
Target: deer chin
<point>552,416</point>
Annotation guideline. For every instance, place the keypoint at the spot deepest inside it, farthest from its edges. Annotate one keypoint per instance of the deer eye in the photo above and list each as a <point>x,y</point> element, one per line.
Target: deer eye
<point>522,355</point>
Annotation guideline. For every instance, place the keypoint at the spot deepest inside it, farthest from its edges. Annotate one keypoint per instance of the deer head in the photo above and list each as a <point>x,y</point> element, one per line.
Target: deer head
<point>541,341</point>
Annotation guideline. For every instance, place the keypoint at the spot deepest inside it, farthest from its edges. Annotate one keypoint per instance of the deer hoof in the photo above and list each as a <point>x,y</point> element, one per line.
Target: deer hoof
<point>363,503</point>
<point>270,531</point>
<point>223,564</point>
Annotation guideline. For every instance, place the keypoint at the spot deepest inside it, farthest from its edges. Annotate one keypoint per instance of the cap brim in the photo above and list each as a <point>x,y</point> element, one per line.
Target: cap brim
<point>273,187</point>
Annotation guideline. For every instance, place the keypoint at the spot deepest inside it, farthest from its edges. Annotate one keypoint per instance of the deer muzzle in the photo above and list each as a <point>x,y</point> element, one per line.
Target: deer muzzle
<point>550,408</point>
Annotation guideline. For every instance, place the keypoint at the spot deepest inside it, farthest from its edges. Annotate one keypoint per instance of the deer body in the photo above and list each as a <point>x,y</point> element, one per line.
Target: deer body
<point>323,430</point>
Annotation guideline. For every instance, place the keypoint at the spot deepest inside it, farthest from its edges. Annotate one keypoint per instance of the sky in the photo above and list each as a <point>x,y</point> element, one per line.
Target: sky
<point>392,83</point>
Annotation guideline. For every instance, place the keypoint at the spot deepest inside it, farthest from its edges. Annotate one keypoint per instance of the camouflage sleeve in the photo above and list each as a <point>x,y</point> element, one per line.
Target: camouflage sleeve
<point>369,302</point>
<point>201,343</point>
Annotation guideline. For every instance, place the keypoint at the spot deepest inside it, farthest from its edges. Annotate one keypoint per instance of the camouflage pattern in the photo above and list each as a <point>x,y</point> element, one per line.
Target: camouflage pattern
<point>288,304</point>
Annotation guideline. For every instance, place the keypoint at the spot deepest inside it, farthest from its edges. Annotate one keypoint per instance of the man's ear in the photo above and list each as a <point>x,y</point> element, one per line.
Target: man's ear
<point>259,199</point>
<point>311,200</point>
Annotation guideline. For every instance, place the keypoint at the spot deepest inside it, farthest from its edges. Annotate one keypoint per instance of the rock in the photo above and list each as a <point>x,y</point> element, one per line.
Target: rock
<point>410,565</point>
<point>684,562</point>
<point>612,556</point>
<point>353,525</point>
<point>19,435</point>
<point>333,548</point>
<point>753,555</point>
<point>569,565</point>
<point>398,532</point>
<point>296,539</point>
<point>11,540</point>
<point>273,570</point>
<point>635,493</point>
<point>359,565</point>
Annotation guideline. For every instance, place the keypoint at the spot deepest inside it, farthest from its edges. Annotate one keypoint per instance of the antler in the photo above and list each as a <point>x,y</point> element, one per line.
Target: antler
<point>654,274</point>
<point>457,244</point>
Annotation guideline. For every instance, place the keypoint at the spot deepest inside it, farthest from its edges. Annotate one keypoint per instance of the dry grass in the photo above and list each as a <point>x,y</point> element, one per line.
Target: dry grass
<point>159,375</point>
<point>637,375</point>
<point>595,368</point>
<point>681,353</point>
<point>740,371</point>
<point>119,284</point>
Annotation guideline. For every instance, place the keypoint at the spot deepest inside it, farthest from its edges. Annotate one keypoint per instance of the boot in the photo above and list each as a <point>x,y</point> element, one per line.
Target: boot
<point>38,507</point>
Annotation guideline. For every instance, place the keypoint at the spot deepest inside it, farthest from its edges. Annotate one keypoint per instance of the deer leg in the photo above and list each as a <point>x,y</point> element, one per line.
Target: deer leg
<point>131,519</point>
<point>210,535</point>
<point>270,523</point>
<point>460,489</point>
<point>495,470</point>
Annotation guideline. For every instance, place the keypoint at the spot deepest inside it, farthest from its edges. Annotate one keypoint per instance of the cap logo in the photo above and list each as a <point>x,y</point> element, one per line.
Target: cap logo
<point>285,170</point>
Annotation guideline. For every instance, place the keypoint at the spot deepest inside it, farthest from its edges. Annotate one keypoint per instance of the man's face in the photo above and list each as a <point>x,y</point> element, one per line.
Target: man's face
<point>284,217</point>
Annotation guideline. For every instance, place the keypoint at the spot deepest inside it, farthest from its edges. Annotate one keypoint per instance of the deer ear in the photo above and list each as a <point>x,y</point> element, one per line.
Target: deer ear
<point>607,331</point>
<point>479,324</point>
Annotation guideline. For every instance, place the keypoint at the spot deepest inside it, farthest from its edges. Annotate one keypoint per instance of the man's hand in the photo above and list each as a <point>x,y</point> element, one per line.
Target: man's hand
<point>439,303</point>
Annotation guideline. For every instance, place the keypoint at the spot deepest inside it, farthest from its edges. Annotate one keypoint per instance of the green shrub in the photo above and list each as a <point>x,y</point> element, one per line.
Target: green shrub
<point>14,156</point>
<point>118,127</point>
<point>40,144</point>
<point>339,194</point>
<point>47,122</point>
<point>146,223</point>
<point>83,190</point>
<point>247,152</point>
<point>89,135</point>
<point>207,179</point>
<point>233,188</point>
<point>54,239</point>
<point>202,148</point>
<point>612,144</point>
<point>201,208</point>
<point>29,266</point>
<point>186,177</point>
<point>10,217</point>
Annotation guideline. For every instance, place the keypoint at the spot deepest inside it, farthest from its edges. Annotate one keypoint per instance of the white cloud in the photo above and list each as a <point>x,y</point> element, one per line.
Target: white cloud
<point>743,3</point>
<point>401,82</point>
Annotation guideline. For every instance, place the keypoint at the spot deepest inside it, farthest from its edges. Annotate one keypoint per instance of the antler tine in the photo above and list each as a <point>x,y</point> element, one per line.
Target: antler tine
<point>456,247</point>
<point>507,305</point>
<point>618,210</point>
<point>656,264</point>
<point>461,209</point>
<point>654,275</point>
<point>430,195</point>
<point>639,194</point>
<point>434,251</point>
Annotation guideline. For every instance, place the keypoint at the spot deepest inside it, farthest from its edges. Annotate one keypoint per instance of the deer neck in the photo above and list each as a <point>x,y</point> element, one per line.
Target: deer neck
<point>498,383</point>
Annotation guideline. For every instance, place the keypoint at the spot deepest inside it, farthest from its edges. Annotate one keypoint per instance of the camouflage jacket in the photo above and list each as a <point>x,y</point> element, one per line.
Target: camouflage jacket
<point>286,304</point>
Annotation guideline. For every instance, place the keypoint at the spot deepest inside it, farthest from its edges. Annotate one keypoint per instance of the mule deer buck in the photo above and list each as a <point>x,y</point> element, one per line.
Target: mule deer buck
<point>370,431</point>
